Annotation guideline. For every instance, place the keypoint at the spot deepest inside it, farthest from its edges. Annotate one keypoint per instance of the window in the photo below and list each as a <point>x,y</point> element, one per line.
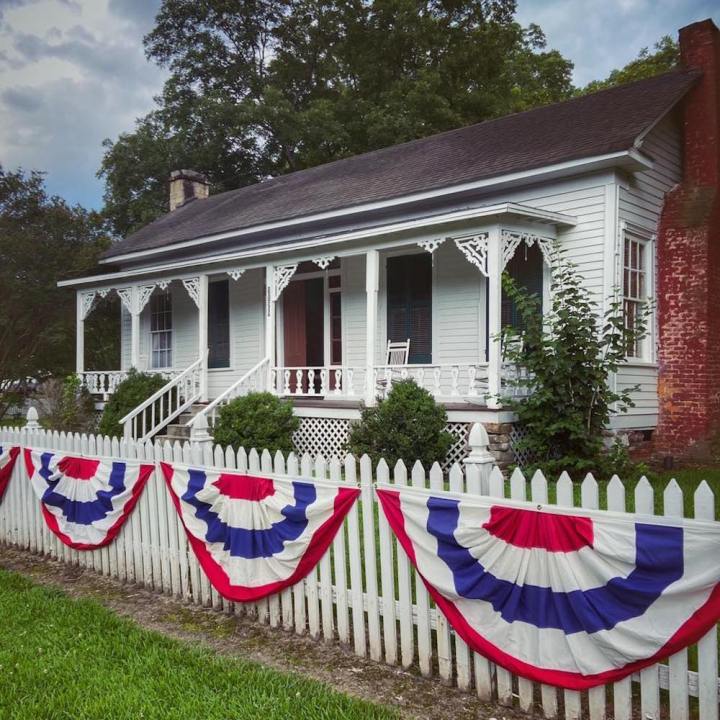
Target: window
<point>526,269</point>
<point>161,330</point>
<point>635,287</point>
<point>335,320</point>
<point>219,324</point>
<point>409,304</point>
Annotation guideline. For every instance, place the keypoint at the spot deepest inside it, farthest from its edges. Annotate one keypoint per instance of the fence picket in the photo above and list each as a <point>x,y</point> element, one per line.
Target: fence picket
<point>311,580</point>
<point>387,576</point>
<point>326,599</point>
<point>422,600</point>
<point>442,626</point>
<point>339,555</point>
<point>356,580</point>
<point>539,495</point>
<point>565,498</point>
<point>367,505</point>
<point>404,580</point>
<point>678,663</point>
<point>708,644</point>
<point>622,689</point>
<point>649,678</point>
<point>298,590</point>
<point>286,607</point>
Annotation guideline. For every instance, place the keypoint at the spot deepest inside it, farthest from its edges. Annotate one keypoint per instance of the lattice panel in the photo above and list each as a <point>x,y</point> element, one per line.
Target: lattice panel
<point>322,436</point>
<point>459,449</point>
<point>522,457</point>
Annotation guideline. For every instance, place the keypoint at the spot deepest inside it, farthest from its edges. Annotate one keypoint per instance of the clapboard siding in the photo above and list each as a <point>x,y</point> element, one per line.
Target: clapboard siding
<point>640,202</point>
<point>352,308</point>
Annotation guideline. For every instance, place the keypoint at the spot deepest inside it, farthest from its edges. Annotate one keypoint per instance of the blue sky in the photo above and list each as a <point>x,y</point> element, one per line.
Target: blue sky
<point>73,72</point>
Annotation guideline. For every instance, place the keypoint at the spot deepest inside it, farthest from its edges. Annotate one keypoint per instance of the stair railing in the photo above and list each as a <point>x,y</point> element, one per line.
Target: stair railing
<point>255,379</point>
<point>163,406</point>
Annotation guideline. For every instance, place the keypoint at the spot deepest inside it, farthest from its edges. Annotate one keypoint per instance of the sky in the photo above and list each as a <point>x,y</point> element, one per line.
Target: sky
<point>73,72</point>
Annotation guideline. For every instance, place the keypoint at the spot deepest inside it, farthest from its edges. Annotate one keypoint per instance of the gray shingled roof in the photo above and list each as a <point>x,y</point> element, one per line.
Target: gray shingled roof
<point>604,122</point>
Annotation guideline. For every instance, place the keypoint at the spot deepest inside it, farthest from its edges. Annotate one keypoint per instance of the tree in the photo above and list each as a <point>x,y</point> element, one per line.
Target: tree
<point>279,85</point>
<point>566,401</point>
<point>42,239</point>
<point>666,57</point>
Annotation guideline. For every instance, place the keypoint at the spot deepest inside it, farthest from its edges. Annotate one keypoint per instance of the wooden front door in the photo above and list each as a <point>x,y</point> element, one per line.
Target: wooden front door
<point>303,330</point>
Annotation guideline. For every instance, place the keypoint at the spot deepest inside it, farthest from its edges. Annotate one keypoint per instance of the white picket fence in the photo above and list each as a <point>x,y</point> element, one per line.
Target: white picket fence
<point>364,592</point>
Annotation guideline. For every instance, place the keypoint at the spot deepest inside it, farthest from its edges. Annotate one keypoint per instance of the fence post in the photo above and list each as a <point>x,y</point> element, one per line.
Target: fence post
<point>31,422</point>
<point>199,435</point>
<point>480,459</point>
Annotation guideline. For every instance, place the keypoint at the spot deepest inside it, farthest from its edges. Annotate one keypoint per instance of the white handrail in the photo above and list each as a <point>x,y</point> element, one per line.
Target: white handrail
<point>229,393</point>
<point>144,421</point>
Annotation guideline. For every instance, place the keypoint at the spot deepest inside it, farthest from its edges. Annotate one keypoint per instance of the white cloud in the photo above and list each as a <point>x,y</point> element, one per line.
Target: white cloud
<point>70,76</point>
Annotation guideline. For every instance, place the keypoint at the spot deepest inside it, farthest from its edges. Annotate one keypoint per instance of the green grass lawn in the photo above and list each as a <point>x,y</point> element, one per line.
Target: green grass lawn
<point>75,660</point>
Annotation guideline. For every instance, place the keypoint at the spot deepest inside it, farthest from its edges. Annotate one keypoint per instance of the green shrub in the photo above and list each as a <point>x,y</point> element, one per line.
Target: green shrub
<point>131,392</point>
<point>257,420</point>
<point>65,405</point>
<point>408,425</point>
<point>569,355</point>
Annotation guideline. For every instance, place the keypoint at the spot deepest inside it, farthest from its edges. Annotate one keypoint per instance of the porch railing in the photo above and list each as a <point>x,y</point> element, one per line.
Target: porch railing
<point>163,406</point>
<point>255,379</point>
<point>317,381</point>
<point>102,382</point>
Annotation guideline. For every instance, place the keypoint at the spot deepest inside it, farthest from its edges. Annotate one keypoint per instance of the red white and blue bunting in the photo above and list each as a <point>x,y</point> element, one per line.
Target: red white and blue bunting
<point>254,536</point>
<point>8,455</point>
<point>572,598</point>
<point>85,501</point>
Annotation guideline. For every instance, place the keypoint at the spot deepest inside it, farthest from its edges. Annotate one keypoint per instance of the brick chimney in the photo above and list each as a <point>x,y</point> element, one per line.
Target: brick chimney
<point>186,185</point>
<point>688,292</point>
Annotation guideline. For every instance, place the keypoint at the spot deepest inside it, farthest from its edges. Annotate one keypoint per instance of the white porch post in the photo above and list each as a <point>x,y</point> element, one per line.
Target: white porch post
<point>372,274</point>
<point>135,327</point>
<point>79,335</point>
<point>270,322</point>
<point>203,335</point>
<point>495,253</point>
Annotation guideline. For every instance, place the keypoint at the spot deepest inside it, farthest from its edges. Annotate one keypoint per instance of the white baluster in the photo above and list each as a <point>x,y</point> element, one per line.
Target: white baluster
<point>298,381</point>
<point>286,373</point>
<point>436,380</point>
<point>348,386</point>
<point>338,381</point>
<point>323,381</point>
<point>273,380</point>
<point>472,373</point>
<point>454,372</point>
<point>311,381</point>
<point>421,377</point>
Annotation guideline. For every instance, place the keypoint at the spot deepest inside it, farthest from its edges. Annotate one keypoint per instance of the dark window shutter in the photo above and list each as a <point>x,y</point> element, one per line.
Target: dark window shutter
<point>219,324</point>
<point>409,304</point>
<point>526,269</point>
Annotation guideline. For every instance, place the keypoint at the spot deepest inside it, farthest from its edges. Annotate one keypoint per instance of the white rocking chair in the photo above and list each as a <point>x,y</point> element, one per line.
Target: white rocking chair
<point>397,356</point>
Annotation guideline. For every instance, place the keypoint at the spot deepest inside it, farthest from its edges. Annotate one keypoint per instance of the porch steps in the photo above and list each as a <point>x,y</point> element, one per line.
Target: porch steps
<point>178,430</point>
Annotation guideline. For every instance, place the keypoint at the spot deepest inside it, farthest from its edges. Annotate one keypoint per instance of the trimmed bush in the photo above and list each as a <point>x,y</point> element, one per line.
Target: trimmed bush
<point>131,392</point>
<point>257,420</point>
<point>408,425</point>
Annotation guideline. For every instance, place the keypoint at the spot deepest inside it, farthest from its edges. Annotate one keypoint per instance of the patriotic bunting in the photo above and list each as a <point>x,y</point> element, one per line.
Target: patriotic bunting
<point>85,501</point>
<point>572,598</point>
<point>254,536</point>
<point>8,455</point>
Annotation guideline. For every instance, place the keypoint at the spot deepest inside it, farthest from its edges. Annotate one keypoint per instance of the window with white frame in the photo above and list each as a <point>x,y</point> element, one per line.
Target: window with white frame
<point>636,254</point>
<point>161,330</point>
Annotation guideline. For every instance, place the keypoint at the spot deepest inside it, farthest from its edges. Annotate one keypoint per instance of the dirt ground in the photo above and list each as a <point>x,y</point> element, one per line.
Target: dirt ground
<point>330,663</point>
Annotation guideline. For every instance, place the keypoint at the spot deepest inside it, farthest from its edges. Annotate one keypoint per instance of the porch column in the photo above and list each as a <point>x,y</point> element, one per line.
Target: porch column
<point>135,327</point>
<point>372,274</point>
<point>79,334</point>
<point>270,322</point>
<point>203,335</point>
<point>495,252</point>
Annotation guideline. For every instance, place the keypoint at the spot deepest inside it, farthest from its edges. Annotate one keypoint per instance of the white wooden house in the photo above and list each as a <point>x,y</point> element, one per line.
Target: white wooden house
<point>296,284</point>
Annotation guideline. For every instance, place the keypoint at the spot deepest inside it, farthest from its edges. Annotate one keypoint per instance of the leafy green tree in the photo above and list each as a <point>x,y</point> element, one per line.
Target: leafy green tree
<point>278,85</point>
<point>42,239</point>
<point>564,401</point>
<point>408,425</point>
<point>647,64</point>
<point>257,420</point>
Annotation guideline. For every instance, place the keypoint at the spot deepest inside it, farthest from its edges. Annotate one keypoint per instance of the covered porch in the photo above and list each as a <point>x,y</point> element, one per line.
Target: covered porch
<point>315,327</point>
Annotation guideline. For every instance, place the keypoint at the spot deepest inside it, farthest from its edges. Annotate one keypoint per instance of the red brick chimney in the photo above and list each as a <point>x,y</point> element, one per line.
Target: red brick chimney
<point>688,291</point>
